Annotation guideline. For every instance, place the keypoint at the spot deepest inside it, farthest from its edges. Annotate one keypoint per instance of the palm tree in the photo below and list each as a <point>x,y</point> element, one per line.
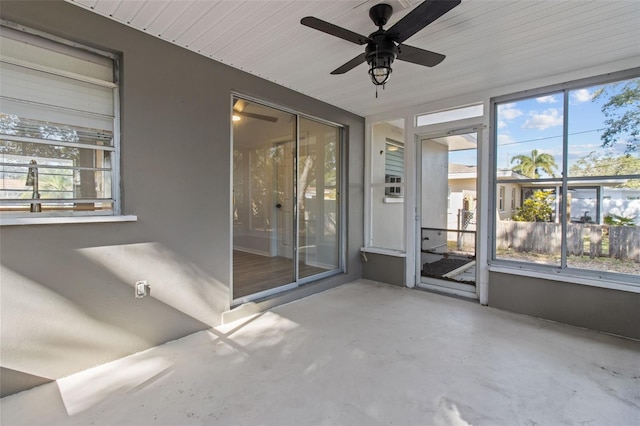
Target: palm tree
<point>530,165</point>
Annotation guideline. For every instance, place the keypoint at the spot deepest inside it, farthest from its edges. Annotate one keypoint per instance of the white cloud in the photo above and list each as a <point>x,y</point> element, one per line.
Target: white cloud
<point>504,139</point>
<point>502,124</point>
<point>508,112</point>
<point>547,99</point>
<point>582,95</point>
<point>543,120</point>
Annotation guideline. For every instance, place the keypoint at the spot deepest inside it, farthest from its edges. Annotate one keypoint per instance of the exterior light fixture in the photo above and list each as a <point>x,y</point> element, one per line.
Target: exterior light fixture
<point>380,68</point>
<point>379,74</point>
<point>380,54</point>
<point>236,117</point>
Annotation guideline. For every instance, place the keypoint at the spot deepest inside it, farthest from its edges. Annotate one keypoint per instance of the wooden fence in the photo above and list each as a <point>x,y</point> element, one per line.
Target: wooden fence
<point>621,242</point>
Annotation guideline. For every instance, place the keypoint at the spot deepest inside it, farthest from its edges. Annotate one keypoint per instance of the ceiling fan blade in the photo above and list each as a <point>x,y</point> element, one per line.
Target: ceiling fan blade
<point>419,56</point>
<point>334,30</point>
<point>420,17</point>
<point>256,116</point>
<point>350,65</point>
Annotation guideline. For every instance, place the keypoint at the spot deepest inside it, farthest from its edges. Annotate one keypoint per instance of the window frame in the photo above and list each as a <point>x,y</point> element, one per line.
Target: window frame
<point>62,217</point>
<point>390,178</point>
<point>565,273</point>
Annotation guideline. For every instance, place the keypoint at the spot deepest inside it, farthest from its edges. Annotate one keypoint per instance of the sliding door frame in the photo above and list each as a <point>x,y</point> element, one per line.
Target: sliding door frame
<point>341,209</point>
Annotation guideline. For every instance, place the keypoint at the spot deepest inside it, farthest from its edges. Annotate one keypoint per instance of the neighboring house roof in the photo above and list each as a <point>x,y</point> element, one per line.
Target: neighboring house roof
<point>462,168</point>
<point>463,171</point>
<point>509,174</point>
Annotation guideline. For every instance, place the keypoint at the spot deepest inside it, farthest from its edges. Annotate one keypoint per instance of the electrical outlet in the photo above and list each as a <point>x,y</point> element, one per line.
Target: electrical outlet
<point>141,289</point>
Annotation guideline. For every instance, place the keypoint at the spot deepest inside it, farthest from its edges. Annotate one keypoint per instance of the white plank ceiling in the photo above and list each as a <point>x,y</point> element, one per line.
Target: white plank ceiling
<point>488,43</point>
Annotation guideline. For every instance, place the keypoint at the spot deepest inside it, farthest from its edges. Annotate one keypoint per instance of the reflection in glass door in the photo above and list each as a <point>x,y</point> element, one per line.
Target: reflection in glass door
<point>318,212</point>
<point>286,215</point>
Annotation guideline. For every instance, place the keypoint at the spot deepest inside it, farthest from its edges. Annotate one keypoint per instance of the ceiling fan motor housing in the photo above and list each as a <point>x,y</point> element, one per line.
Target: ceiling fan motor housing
<point>381,48</point>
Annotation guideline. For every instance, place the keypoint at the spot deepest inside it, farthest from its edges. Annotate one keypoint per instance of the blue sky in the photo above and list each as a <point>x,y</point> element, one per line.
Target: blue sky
<point>536,123</point>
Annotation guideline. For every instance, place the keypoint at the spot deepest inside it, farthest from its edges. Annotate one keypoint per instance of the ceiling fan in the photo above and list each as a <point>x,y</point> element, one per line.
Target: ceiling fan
<point>384,46</point>
<point>238,112</point>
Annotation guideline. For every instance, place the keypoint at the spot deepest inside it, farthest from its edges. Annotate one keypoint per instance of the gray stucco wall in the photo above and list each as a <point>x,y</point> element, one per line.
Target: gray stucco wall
<point>67,290</point>
<point>386,269</point>
<point>610,311</point>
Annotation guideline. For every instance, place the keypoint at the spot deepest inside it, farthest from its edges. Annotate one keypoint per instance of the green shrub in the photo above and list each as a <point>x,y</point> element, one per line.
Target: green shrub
<point>536,209</point>
<point>615,220</point>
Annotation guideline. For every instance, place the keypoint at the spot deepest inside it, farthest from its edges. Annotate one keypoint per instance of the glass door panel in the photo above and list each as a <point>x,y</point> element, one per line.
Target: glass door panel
<point>264,143</point>
<point>318,201</point>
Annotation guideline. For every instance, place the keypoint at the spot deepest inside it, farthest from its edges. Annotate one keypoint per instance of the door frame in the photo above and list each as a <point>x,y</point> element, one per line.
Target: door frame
<point>341,236</point>
<point>444,130</point>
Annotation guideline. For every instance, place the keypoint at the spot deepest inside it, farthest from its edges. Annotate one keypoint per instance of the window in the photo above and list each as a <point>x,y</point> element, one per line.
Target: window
<point>513,198</point>
<point>394,167</point>
<point>450,115</point>
<point>58,128</point>
<point>574,154</point>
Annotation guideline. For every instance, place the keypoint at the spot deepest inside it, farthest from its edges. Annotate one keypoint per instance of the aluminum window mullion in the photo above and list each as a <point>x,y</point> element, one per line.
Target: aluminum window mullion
<point>40,141</point>
<point>48,166</point>
<point>565,172</point>
<point>58,107</point>
<point>115,161</point>
<point>296,225</point>
<point>600,178</point>
<point>341,188</point>
<point>53,200</point>
<point>550,181</point>
<point>493,179</point>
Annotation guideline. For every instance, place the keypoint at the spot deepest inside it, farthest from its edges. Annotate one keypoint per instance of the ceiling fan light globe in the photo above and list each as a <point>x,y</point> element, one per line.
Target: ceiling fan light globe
<point>379,74</point>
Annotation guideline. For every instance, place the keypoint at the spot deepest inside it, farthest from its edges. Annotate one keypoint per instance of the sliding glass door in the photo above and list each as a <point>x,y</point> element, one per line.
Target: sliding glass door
<point>286,211</point>
<point>318,213</point>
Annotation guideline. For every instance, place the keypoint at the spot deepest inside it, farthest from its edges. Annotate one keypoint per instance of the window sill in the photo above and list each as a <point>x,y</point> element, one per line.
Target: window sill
<point>566,277</point>
<point>14,221</point>
<point>393,200</point>
<point>387,252</point>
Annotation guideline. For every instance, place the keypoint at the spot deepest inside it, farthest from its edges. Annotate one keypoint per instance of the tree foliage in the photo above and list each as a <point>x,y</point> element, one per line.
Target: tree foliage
<point>617,220</point>
<point>530,165</point>
<point>537,208</point>
<point>595,164</point>
<point>622,112</point>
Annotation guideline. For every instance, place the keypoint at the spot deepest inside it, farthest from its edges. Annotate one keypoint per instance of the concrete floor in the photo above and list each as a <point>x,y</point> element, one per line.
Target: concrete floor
<point>361,354</point>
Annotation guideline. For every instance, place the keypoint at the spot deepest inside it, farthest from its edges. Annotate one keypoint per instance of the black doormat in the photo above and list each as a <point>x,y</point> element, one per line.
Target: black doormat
<point>443,266</point>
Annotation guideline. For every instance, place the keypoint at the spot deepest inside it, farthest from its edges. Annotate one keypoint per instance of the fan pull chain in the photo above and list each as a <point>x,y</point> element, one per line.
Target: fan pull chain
<point>383,86</point>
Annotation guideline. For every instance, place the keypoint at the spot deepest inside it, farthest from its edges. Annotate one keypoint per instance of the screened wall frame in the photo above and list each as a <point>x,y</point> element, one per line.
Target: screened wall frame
<point>340,189</point>
<point>97,151</point>
<point>385,187</point>
<point>564,183</point>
